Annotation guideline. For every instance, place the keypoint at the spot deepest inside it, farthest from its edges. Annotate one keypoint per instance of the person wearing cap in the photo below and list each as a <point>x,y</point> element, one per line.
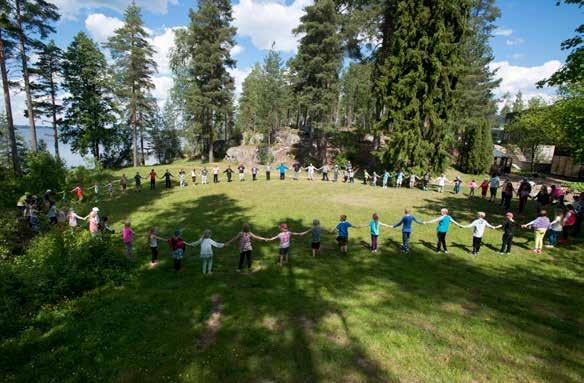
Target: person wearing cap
<point>507,240</point>
<point>93,221</point>
<point>285,237</point>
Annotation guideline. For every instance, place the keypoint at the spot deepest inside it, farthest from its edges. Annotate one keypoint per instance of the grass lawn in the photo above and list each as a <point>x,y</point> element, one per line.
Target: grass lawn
<point>360,318</point>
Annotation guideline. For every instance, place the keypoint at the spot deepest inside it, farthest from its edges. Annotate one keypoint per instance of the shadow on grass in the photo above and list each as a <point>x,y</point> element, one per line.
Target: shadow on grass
<point>299,323</point>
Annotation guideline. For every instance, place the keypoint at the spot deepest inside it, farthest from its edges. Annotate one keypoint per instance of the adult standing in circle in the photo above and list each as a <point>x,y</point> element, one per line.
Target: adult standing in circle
<point>268,169</point>
<point>523,192</point>
<point>494,184</point>
<point>241,170</point>
<point>228,172</point>
<point>167,180</point>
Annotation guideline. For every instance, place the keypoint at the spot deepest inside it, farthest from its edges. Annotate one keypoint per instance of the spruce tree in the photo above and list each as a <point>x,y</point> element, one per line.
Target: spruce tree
<point>417,70</point>
<point>32,21</point>
<point>7,51</point>
<point>475,113</point>
<point>133,61</point>
<point>90,120</point>
<point>45,87</point>
<point>200,62</point>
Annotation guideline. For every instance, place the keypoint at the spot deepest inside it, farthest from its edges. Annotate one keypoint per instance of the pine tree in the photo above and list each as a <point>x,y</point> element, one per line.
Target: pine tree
<point>357,101</point>
<point>248,108</point>
<point>518,105</point>
<point>164,137</point>
<point>45,87</point>
<point>203,52</point>
<point>89,120</point>
<point>133,60</point>
<point>6,160</point>
<point>316,69</point>
<point>417,69</point>
<point>31,19</point>
<point>7,50</point>
<point>317,64</point>
<point>475,113</point>
<point>264,99</point>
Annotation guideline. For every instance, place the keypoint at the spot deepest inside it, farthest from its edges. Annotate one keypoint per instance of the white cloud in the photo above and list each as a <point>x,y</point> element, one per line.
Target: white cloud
<point>523,78</point>
<point>239,75</point>
<point>268,21</point>
<point>514,41</point>
<point>101,27</point>
<point>162,86</point>
<point>237,49</point>
<point>503,32</point>
<point>163,43</point>
<point>70,9</point>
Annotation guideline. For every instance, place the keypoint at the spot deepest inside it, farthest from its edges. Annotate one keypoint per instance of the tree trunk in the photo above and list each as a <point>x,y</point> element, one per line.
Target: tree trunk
<point>54,116</point>
<point>143,154</point>
<point>8,109</point>
<point>209,122</point>
<point>133,118</point>
<point>25,75</point>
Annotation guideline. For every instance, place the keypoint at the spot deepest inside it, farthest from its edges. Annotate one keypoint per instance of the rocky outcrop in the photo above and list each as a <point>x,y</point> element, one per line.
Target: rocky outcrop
<point>281,151</point>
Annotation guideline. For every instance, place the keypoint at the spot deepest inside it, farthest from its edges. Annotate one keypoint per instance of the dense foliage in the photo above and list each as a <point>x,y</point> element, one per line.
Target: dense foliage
<point>56,266</point>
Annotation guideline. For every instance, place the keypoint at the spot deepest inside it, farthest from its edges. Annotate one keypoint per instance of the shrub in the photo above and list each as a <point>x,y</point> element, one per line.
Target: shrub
<point>56,266</point>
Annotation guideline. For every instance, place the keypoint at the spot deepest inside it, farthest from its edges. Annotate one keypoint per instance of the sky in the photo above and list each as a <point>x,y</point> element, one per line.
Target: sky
<point>526,44</point>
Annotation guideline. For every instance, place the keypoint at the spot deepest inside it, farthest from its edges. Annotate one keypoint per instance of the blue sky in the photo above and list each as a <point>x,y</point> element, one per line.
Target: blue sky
<point>526,45</point>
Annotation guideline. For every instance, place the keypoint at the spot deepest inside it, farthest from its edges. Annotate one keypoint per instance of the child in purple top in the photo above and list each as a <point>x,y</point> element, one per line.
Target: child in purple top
<point>539,226</point>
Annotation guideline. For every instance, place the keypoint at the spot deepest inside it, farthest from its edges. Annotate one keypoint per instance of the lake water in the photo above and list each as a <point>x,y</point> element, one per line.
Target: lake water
<point>71,159</point>
<point>46,134</point>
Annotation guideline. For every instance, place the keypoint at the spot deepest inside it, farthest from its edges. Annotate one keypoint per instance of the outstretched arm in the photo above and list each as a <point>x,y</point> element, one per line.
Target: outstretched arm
<point>256,237</point>
<point>434,220</point>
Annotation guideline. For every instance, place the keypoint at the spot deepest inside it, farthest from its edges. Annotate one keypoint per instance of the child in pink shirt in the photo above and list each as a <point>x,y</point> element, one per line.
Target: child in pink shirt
<point>472,186</point>
<point>127,237</point>
<point>285,236</point>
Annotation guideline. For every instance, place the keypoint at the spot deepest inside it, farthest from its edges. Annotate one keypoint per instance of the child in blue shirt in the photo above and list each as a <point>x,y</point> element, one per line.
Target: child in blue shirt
<point>406,223</point>
<point>444,222</point>
<point>342,230</point>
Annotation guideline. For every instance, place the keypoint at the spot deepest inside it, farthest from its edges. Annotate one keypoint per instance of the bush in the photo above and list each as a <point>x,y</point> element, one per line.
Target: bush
<point>576,186</point>
<point>56,266</point>
<point>42,171</point>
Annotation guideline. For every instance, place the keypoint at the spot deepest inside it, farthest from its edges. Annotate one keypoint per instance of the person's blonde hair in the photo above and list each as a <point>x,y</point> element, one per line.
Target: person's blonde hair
<point>407,210</point>
<point>482,214</point>
<point>444,211</point>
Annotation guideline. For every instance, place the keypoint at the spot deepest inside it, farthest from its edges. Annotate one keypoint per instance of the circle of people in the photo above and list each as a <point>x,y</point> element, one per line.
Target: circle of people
<point>561,225</point>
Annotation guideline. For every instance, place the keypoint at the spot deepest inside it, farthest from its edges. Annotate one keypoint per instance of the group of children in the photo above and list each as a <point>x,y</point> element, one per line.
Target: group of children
<point>245,237</point>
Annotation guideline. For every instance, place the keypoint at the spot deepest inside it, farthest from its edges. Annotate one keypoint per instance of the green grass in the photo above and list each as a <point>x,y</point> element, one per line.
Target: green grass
<point>360,318</point>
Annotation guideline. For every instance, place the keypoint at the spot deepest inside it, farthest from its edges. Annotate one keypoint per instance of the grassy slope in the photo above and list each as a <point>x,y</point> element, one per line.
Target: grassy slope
<point>385,317</point>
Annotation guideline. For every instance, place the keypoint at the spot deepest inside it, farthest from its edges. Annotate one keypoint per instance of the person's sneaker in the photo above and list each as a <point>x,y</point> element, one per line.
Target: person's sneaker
<point>238,270</point>
<point>549,246</point>
<point>445,251</point>
<point>501,253</point>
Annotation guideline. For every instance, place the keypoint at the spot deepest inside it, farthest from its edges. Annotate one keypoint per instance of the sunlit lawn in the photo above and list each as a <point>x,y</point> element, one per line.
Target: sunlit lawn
<point>386,317</point>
